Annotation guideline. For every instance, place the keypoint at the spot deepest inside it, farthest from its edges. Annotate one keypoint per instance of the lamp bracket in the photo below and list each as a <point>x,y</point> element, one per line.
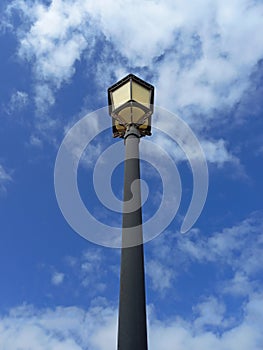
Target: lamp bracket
<point>132,129</point>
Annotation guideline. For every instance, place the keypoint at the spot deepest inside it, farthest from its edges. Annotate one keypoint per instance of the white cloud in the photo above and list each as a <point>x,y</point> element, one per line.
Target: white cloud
<point>44,96</point>
<point>244,239</point>
<point>239,285</point>
<point>238,247</point>
<point>57,278</point>
<point>160,275</point>
<point>35,141</point>
<point>79,136</point>
<point>72,328</point>
<point>18,101</point>
<point>56,38</point>
<point>67,328</point>
<point>89,270</point>
<point>5,178</point>
<point>210,313</point>
<point>216,151</point>
<point>200,54</point>
<point>234,251</point>
<point>184,335</point>
<point>92,256</point>
<point>209,69</point>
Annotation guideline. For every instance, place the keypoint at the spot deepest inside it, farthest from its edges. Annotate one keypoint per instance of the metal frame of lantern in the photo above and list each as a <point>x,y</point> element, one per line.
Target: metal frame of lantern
<point>131,104</point>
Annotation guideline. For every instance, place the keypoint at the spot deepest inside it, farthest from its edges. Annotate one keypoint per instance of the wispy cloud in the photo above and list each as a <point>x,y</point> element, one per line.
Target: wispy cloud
<point>52,38</point>
<point>216,151</point>
<point>89,272</point>
<point>235,251</point>
<point>57,278</point>
<point>211,313</point>
<point>5,178</point>
<point>244,238</point>
<point>200,54</point>
<point>18,102</point>
<point>35,141</point>
<point>200,57</point>
<point>160,275</point>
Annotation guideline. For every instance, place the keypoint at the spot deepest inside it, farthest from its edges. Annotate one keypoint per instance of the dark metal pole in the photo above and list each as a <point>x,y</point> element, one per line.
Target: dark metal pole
<point>132,328</point>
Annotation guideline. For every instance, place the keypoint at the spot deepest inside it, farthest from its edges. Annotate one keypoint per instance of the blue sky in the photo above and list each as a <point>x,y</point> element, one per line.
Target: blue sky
<point>204,288</point>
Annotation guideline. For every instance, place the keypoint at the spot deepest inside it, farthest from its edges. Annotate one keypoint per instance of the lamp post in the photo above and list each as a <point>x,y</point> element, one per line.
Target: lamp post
<point>131,107</point>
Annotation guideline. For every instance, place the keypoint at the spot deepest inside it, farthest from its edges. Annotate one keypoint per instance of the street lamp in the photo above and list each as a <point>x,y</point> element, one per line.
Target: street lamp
<point>131,102</point>
<point>131,106</point>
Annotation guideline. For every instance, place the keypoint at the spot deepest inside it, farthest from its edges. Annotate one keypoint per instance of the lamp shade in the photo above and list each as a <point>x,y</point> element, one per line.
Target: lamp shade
<point>131,102</point>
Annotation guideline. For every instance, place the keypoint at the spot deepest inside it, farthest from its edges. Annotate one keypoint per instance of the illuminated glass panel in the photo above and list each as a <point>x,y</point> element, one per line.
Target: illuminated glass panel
<point>121,95</point>
<point>141,94</point>
<point>131,114</point>
<point>125,115</point>
<point>137,114</point>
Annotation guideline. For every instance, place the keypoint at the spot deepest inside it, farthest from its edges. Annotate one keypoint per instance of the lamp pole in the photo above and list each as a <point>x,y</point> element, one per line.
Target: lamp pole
<point>131,108</point>
<point>132,327</point>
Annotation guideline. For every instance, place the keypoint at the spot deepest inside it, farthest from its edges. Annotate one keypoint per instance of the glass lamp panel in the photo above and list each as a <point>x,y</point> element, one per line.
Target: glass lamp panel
<point>126,115</point>
<point>141,94</point>
<point>121,95</point>
<point>137,114</point>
